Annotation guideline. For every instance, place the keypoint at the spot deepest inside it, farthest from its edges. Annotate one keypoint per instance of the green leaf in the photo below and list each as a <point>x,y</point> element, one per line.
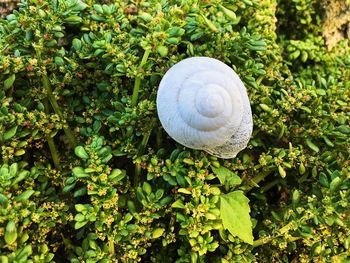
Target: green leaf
<point>9,81</point>
<point>76,43</point>
<point>10,133</point>
<point>226,176</point>
<point>117,175</point>
<point>178,204</point>
<point>79,172</point>
<point>80,207</point>
<point>81,153</point>
<point>335,184</point>
<point>24,196</point>
<point>343,129</point>
<point>79,217</point>
<point>80,192</point>
<point>73,20</point>
<point>68,188</point>
<point>162,51</point>
<point>10,232</point>
<point>312,146</point>
<point>78,225</point>
<point>158,232</point>
<point>234,212</point>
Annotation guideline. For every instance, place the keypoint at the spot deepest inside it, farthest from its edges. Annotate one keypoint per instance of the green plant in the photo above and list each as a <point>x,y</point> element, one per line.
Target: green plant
<point>88,174</point>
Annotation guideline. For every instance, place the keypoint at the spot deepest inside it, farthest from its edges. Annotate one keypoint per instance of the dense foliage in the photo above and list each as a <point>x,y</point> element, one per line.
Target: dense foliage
<point>88,175</point>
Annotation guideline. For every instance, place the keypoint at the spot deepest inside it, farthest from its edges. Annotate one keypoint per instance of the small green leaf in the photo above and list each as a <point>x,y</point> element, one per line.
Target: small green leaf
<point>78,225</point>
<point>10,133</point>
<point>73,20</point>
<point>281,171</point>
<point>343,129</point>
<point>234,212</point>
<point>166,200</point>
<point>79,217</point>
<point>3,200</point>
<point>162,51</point>
<point>76,43</point>
<point>20,152</point>
<point>265,107</point>
<point>184,191</point>
<point>117,175</point>
<point>158,232</point>
<point>81,153</point>
<point>9,81</point>
<point>80,192</point>
<point>146,187</point>
<point>229,13</point>
<point>324,180</point>
<point>13,169</point>
<point>328,141</point>
<point>10,232</point>
<point>226,176</point>
<point>178,204</point>
<point>175,31</point>
<point>98,9</point>
<point>335,184</point>
<point>59,61</point>
<point>79,172</point>
<point>210,24</point>
<point>80,207</point>
<point>312,146</point>
<point>24,196</point>
<point>68,188</point>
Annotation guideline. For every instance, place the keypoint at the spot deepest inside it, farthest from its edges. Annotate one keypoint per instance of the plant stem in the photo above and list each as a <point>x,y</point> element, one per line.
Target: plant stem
<point>111,247</point>
<point>134,98</point>
<point>262,241</point>
<point>159,137</point>
<point>137,83</point>
<point>144,142</point>
<point>54,104</point>
<point>56,108</point>
<point>257,179</point>
<point>51,142</point>
<point>137,173</point>
<point>140,152</point>
<point>270,185</point>
<point>54,152</point>
<point>266,240</point>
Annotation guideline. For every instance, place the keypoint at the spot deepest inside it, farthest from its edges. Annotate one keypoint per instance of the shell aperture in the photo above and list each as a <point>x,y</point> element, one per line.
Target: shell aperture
<point>202,104</point>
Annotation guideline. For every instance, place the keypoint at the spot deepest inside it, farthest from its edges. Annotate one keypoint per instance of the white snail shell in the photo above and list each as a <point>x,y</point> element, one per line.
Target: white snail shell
<point>202,104</point>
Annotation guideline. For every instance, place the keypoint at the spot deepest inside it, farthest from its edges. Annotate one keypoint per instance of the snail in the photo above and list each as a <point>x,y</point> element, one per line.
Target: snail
<point>202,104</point>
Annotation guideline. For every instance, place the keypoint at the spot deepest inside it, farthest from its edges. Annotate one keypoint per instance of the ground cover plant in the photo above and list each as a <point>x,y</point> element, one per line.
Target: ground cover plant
<point>88,175</point>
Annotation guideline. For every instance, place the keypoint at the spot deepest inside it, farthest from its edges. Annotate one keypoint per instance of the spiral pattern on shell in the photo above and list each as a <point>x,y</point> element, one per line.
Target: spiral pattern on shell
<point>202,104</point>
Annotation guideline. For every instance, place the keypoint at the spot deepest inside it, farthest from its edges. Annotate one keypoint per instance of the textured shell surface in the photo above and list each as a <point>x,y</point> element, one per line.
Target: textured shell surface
<point>202,104</point>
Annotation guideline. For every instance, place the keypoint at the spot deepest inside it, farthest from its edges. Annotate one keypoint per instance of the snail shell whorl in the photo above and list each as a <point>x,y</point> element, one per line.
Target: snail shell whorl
<point>203,104</point>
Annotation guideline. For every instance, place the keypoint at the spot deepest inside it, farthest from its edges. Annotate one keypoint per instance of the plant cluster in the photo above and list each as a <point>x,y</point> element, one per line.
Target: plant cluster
<point>88,175</point>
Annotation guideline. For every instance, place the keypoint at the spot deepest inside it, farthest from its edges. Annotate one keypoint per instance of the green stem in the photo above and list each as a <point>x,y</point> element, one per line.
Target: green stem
<point>137,174</point>
<point>270,185</point>
<point>266,240</point>
<point>56,108</point>
<point>134,98</point>
<point>137,83</point>
<point>51,142</point>
<point>262,241</point>
<point>257,179</point>
<point>140,152</point>
<point>144,142</point>
<point>111,247</point>
<point>54,152</point>
<point>159,137</point>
